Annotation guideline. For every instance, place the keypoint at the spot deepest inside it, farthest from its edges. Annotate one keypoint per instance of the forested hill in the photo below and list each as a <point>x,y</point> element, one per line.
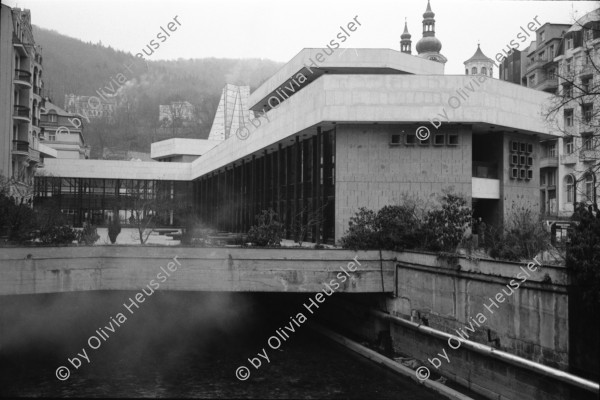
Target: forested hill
<point>73,66</point>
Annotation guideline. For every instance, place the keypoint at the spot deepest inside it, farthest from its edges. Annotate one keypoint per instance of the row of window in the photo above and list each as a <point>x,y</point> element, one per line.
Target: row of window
<point>521,174</point>
<point>587,113</point>
<point>439,139</point>
<point>521,147</point>
<point>484,71</point>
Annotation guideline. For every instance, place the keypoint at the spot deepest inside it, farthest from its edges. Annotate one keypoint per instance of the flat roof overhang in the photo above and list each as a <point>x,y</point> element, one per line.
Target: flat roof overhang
<point>387,99</point>
<point>348,61</point>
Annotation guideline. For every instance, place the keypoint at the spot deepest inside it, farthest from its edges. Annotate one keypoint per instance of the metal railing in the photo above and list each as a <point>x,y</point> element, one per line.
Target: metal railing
<point>22,75</point>
<point>21,111</point>
<point>21,145</point>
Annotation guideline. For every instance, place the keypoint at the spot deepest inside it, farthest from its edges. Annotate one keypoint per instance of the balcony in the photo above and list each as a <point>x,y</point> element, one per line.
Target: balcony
<point>18,45</point>
<point>549,161</point>
<point>586,70</point>
<point>486,170</point>
<point>21,113</point>
<point>589,155</point>
<point>483,188</point>
<point>20,147</point>
<point>547,85</point>
<point>567,159</point>
<point>23,78</point>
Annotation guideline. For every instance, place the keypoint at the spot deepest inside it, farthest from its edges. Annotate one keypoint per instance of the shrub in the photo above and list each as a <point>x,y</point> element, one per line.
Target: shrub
<point>522,237</point>
<point>399,227</point>
<point>445,228</point>
<point>17,221</point>
<point>410,226</point>
<point>89,235</point>
<point>362,232</point>
<point>268,231</point>
<point>58,235</point>
<point>114,227</point>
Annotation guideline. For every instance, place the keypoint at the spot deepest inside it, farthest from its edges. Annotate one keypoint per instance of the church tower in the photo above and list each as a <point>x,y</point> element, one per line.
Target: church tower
<point>429,46</point>
<point>479,64</point>
<point>405,42</point>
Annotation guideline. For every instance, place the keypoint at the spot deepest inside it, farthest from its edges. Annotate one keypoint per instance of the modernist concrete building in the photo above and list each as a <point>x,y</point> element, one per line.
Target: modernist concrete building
<point>20,101</point>
<point>341,135</point>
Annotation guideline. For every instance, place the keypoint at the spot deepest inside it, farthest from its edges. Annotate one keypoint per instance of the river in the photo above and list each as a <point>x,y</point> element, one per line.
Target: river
<point>178,345</point>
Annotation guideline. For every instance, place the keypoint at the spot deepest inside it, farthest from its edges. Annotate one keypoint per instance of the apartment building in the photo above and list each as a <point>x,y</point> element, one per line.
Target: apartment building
<point>63,132</point>
<point>21,103</point>
<point>576,154</point>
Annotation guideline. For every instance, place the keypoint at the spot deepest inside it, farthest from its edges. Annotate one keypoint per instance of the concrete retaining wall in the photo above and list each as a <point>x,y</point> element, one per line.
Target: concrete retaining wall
<point>68,269</point>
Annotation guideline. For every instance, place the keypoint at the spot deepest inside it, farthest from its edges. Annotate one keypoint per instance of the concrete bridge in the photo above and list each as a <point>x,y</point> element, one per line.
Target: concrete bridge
<point>69,269</point>
<point>523,349</point>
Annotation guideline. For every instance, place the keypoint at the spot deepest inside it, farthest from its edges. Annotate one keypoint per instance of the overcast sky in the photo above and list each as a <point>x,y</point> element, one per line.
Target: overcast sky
<point>278,30</point>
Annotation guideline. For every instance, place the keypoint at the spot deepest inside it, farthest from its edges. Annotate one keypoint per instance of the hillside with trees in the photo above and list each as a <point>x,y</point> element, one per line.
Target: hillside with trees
<point>73,66</point>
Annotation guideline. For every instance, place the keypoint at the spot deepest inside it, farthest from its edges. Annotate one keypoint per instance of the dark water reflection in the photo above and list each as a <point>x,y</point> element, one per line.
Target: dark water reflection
<point>178,345</point>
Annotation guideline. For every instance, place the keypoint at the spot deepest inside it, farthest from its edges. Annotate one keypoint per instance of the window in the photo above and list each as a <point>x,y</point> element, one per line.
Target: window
<point>52,137</point>
<point>543,179</point>
<point>585,85</point>
<point>523,147</point>
<point>522,160</point>
<point>568,117</point>
<point>570,185</point>
<point>52,117</point>
<point>529,148</point>
<point>483,71</point>
<point>589,186</point>
<point>551,52</point>
<point>396,139</point>
<point>439,139</point>
<point>514,159</point>
<point>587,112</point>
<point>531,80</point>
<point>522,173</point>
<point>569,65</point>
<point>514,146</point>
<point>542,36</point>
<point>567,90</point>
<point>466,72</point>
<point>569,145</point>
<point>552,177</point>
<point>474,71</point>
<point>569,43</point>
<point>514,173</point>
<point>453,139</point>
<point>529,174</point>
<point>530,161</point>
<point>587,34</point>
<point>552,73</point>
<point>410,139</point>
<point>588,141</point>
<point>542,56</point>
